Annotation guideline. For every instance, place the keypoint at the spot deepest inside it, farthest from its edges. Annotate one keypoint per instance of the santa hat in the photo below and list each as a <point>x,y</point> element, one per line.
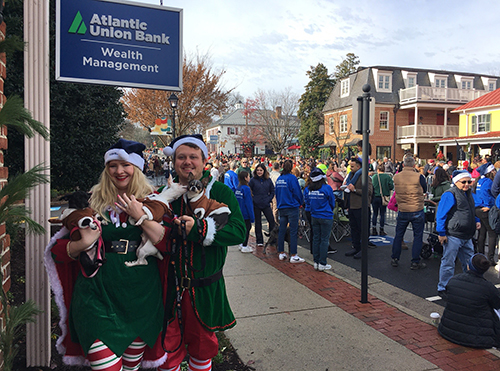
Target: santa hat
<point>126,150</point>
<point>460,174</point>
<point>317,174</point>
<point>485,168</point>
<point>195,139</point>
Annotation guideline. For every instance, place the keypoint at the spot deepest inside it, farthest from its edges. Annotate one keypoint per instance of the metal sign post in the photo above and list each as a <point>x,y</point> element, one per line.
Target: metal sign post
<point>364,128</point>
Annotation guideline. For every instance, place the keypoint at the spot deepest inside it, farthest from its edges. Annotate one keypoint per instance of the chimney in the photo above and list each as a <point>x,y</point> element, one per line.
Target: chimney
<point>278,112</point>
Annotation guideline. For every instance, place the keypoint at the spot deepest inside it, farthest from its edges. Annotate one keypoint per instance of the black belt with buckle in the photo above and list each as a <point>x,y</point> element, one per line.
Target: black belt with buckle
<point>121,246</point>
<point>187,283</point>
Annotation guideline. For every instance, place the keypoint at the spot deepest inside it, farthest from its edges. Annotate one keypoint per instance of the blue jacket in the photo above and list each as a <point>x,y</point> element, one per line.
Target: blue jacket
<point>321,202</point>
<point>262,190</point>
<point>484,198</point>
<point>231,180</point>
<point>288,192</point>
<point>495,187</point>
<point>244,197</point>
<point>447,203</point>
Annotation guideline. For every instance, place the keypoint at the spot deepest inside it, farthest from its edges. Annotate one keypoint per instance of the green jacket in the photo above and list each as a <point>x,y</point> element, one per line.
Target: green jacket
<point>386,183</point>
<point>439,190</point>
<point>211,305</point>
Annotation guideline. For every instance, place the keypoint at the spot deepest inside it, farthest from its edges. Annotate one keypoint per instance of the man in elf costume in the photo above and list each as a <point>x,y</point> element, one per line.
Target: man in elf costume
<point>197,306</point>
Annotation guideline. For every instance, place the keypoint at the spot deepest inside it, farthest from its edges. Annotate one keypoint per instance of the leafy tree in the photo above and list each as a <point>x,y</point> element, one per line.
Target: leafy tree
<point>84,119</point>
<point>311,104</point>
<point>275,117</point>
<point>202,98</point>
<point>346,67</point>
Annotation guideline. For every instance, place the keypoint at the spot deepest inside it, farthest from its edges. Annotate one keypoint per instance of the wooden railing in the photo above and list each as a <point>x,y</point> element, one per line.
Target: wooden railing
<point>429,93</point>
<point>427,131</point>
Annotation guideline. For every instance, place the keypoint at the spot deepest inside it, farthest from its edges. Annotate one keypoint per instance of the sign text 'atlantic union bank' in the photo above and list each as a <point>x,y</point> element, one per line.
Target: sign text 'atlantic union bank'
<point>120,43</point>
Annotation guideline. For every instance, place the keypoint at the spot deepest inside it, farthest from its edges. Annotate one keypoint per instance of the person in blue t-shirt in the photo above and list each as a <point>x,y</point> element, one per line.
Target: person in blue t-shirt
<point>244,197</point>
<point>289,199</point>
<point>230,177</point>
<point>320,200</point>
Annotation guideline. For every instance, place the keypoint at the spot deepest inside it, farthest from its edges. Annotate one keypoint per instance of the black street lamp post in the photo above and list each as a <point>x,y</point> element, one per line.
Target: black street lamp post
<point>173,100</point>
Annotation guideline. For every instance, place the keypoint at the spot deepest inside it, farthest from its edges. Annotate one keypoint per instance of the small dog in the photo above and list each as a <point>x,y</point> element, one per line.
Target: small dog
<point>273,237</point>
<point>201,206</point>
<point>155,206</point>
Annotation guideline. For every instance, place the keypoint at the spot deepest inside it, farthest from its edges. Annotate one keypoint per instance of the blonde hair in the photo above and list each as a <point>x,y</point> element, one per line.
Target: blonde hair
<point>104,193</point>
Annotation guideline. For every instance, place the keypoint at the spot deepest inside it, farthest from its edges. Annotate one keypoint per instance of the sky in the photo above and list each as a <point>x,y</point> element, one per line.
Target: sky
<point>271,44</point>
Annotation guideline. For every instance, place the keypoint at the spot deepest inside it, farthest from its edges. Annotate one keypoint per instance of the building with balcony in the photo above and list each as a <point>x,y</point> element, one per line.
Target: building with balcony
<point>412,108</point>
<point>479,127</point>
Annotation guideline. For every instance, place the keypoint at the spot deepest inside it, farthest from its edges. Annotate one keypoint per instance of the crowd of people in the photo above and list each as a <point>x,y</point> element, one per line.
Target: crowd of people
<point>115,316</point>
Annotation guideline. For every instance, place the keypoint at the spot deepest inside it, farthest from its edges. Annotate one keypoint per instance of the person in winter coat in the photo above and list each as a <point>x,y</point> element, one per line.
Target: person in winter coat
<point>484,200</point>
<point>469,318</point>
<point>320,200</point>
<point>456,224</point>
<point>385,181</point>
<point>289,199</point>
<point>244,197</point>
<point>440,184</point>
<point>230,176</point>
<point>263,193</point>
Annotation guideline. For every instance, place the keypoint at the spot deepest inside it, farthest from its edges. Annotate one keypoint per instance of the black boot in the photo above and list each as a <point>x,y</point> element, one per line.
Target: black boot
<point>382,232</point>
<point>374,232</point>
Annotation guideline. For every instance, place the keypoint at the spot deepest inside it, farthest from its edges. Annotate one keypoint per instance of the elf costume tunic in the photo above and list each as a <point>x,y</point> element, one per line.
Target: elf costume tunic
<point>210,302</point>
<point>116,306</point>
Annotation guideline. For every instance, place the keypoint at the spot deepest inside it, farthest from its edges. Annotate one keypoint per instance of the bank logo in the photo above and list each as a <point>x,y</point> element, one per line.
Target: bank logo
<point>78,26</point>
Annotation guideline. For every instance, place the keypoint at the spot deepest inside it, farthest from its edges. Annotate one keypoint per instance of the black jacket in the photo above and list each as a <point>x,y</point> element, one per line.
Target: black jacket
<point>262,191</point>
<point>468,318</point>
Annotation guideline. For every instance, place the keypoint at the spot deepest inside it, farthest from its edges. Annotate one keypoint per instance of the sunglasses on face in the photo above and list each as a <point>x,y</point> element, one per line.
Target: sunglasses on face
<point>466,181</point>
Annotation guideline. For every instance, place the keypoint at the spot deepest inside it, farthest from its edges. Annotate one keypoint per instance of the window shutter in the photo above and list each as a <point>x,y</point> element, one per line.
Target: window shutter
<point>236,131</point>
<point>474,119</point>
<point>228,131</point>
<point>487,123</point>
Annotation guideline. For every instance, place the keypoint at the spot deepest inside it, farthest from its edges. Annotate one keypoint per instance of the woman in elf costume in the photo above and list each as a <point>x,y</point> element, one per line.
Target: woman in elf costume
<point>112,318</point>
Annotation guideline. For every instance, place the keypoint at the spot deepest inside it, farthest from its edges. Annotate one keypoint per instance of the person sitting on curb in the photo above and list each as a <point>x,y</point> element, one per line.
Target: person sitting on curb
<point>469,318</point>
<point>456,224</point>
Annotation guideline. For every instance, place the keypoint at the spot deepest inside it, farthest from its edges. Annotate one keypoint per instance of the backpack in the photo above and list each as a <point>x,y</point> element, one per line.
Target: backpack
<point>494,218</point>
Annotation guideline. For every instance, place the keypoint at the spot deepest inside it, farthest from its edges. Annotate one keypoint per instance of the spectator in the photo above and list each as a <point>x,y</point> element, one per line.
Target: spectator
<point>289,198</point>
<point>388,166</point>
<point>440,184</point>
<point>244,197</point>
<point>230,177</point>
<point>274,175</point>
<point>429,167</point>
<point>469,318</point>
<point>410,187</point>
<point>263,193</point>
<point>354,192</point>
<point>244,166</point>
<point>451,168</point>
<point>456,224</point>
<point>320,201</point>
<point>302,182</point>
<point>484,201</point>
<point>382,185</point>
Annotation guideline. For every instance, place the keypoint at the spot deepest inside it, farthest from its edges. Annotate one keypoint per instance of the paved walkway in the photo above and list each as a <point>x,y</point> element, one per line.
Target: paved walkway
<point>291,317</point>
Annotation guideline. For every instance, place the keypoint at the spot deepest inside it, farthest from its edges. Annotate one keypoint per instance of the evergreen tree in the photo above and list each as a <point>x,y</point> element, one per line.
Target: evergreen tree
<point>84,119</point>
<point>311,104</point>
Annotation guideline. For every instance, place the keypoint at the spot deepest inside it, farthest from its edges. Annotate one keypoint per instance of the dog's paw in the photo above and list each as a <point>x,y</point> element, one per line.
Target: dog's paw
<point>136,262</point>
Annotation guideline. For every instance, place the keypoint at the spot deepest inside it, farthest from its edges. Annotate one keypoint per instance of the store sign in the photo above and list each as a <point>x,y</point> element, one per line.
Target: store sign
<point>119,43</point>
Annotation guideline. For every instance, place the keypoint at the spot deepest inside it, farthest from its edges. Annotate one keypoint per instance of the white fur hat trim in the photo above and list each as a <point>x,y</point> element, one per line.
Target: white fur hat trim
<point>121,154</point>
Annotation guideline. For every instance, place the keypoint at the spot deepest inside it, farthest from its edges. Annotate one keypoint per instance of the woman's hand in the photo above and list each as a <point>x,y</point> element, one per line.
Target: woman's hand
<point>131,206</point>
<point>485,209</point>
<point>189,223</point>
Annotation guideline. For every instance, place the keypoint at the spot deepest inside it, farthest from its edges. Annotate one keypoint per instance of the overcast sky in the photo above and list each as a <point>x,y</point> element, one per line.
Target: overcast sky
<point>270,44</point>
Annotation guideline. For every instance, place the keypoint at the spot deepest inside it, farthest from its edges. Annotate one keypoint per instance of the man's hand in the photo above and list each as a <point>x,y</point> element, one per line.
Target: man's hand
<point>189,223</point>
<point>485,209</point>
<point>478,225</point>
<point>442,239</point>
<point>351,188</point>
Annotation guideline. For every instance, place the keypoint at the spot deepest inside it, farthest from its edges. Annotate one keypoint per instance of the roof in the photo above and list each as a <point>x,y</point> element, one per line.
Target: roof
<point>487,100</point>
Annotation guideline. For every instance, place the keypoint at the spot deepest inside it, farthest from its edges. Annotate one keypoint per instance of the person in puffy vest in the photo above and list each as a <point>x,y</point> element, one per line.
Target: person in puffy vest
<point>456,224</point>
<point>469,318</point>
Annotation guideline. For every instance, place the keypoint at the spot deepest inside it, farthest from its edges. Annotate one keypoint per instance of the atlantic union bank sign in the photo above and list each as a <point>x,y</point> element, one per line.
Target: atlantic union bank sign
<point>119,43</point>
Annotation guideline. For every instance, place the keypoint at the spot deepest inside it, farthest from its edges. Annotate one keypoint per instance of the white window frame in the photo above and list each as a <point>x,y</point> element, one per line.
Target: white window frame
<point>384,79</point>
<point>344,88</point>
<point>492,85</point>
<point>481,123</point>
<point>232,131</point>
<point>380,121</point>
<point>343,124</point>
<point>466,83</point>
<point>411,76</point>
<point>331,124</point>
<point>441,82</point>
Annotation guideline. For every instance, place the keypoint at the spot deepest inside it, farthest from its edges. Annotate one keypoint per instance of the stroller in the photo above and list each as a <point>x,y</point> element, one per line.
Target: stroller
<point>433,246</point>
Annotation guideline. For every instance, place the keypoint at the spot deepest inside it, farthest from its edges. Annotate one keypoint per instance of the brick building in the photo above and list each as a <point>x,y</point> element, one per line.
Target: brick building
<point>412,107</point>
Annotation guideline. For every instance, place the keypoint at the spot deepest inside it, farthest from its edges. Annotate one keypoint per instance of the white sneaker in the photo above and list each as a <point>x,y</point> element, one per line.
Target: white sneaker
<point>246,249</point>
<point>240,246</point>
<point>296,259</point>
<point>282,256</point>
<point>316,266</point>
<point>260,244</point>
<point>322,267</point>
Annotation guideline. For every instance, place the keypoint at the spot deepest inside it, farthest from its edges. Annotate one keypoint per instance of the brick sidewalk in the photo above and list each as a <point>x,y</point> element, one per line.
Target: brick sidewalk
<point>420,337</point>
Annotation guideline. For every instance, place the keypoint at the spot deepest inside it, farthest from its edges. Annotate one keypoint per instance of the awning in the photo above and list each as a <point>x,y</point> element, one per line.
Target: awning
<point>352,142</point>
<point>294,147</point>
<point>328,144</point>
